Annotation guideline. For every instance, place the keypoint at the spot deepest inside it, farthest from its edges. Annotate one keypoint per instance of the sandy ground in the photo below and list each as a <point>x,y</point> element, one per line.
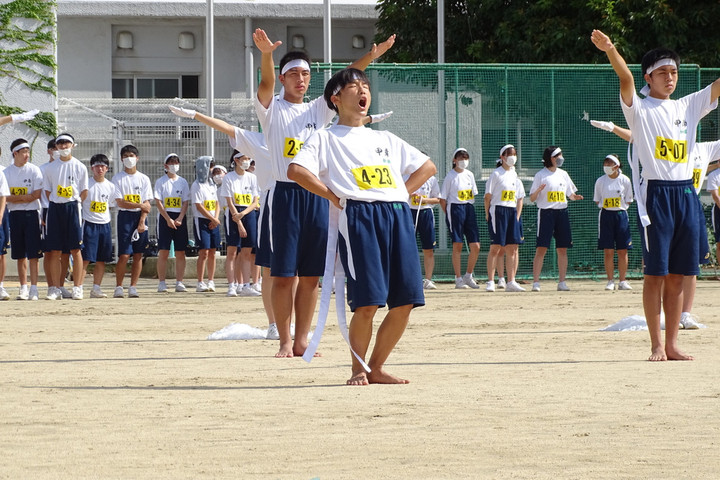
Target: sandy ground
<point>503,385</point>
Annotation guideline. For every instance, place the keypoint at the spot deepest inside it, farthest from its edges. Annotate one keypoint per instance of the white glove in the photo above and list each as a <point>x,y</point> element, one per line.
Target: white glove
<point>24,117</point>
<point>608,126</point>
<point>380,117</point>
<point>183,112</point>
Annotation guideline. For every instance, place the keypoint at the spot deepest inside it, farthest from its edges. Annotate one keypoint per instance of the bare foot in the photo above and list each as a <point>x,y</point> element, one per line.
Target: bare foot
<point>284,352</point>
<point>674,354</point>
<point>358,379</point>
<point>300,352</point>
<point>658,355</point>
<point>378,375</point>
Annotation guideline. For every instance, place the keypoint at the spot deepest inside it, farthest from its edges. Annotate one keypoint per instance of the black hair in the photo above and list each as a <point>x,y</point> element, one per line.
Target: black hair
<point>656,54</point>
<point>129,149</point>
<point>499,162</point>
<point>17,142</point>
<point>294,55</point>
<point>547,155</point>
<point>99,158</point>
<point>338,82</point>
<point>51,144</point>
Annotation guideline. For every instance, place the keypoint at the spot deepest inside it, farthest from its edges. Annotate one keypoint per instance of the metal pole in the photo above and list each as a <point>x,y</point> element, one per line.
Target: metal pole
<point>249,66</point>
<point>442,121</point>
<point>210,85</point>
<point>327,37</point>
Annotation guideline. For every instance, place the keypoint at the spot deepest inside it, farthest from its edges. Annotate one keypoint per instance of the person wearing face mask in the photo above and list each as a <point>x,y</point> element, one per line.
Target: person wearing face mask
<point>504,193</point>
<point>65,184</point>
<point>172,199</point>
<point>206,210</point>
<point>457,199</point>
<point>613,195</point>
<point>133,196</point>
<point>551,189</point>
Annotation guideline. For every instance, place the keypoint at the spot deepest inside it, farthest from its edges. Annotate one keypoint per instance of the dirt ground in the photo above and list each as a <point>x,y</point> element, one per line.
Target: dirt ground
<point>503,386</point>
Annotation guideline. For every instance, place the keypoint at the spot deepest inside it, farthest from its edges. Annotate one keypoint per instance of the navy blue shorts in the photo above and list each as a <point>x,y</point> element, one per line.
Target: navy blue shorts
<point>554,223</point>
<point>25,234</point>
<point>508,229</point>
<point>704,247</point>
<point>127,222</point>
<point>167,235</point>
<point>671,241</point>
<point>379,255</point>
<point>716,222</point>
<point>97,242</point>
<point>614,230</point>
<point>5,234</point>
<point>462,222</point>
<point>232,234</point>
<point>64,232</point>
<point>425,227</point>
<point>263,252</point>
<point>204,237</point>
<point>299,232</point>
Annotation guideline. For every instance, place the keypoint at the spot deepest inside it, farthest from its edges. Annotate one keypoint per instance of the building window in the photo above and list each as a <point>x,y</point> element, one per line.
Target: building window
<point>184,86</point>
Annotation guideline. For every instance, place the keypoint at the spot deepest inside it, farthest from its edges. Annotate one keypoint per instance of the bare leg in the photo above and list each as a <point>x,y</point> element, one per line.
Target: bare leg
<point>211,264</point>
<point>456,252</point>
<point>429,262</point>
<point>688,292</point>
<point>46,267</point>
<point>500,265</point>
<point>652,303</point>
<point>22,270</point>
<point>120,269</point>
<point>201,261</point>
<point>98,272</point>
<point>54,266</point>
<point>562,261</point>
<point>64,268</point>
<point>78,277</point>
<point>538,262</point>
<point>34,270</point>
<point>672,305</point>
<point>359,334</point>
<point>305,301</point>
<point>389,333</point>
<point>282,306</point>
<point>511,254</point>
<point>267,288</point>
<point>473,256</point>
<point>609,258</point>
<point>162,264</point>
<point>179,265</point>
<point>85,267</point>
<point>243,264</point>
<point>136,269</point>
<point>622,264</point>
<point>494,256</point>
<point>230,265</point>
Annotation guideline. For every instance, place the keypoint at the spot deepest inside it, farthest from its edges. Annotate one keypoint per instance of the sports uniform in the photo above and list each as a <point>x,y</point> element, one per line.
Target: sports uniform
<point>505,189</point>
<point>172,193</point>
<point>205,194</point>
<point>423,213</point>
<point>713,185</point>
<point>553,219</point>
<point>459,190</point>
<point>134,188</point>
<point>5,227</point>
<point>64,181</point>
<point>613,196</point>
<point>97,229</point>
<point>242,189</point>
<point>24,217</point>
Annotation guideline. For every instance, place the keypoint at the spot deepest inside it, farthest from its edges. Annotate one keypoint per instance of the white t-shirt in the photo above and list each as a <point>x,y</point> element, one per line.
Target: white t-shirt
<point>287,126</point>
<point>205,194</point>
<point>558,187</point>
<point>133,187</point>
<point>241,188</point>
<point>43,197</point>
<point>172,192</point>
<point>459,187</point>
<point>613,193</point>
<point>713,181</point>
<point>361,164</point>
<point>505,187</point>
<point>4,190</point>
<point>253,145</point>
<point>100,199</point>
<point>23,181</point>
<point>429,189</point>
<point>702,154</point>
<point>65,180</point>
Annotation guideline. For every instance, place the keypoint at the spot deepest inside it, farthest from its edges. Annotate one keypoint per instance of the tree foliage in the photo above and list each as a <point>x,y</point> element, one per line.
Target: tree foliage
<point>549,31</point>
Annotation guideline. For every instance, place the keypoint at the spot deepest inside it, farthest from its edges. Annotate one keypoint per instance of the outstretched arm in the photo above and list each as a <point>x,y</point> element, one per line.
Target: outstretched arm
<point>266,89</point>
<point>215,123</point>
<point>375,52</point>
<point>627,82</point>
<point>623,133</point>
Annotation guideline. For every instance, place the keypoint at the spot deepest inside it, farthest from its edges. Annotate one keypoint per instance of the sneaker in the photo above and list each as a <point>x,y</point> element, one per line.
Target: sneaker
<point>180,287</point>
<point>96,292</point>
<point>513,286</point>
<point>77,293</point>
<point>272,332</point>
<point>688,321</point>
<point>211,286</point>
<point>24,293</point>
<point>4,295</point>
<point>257,287</point>
<point>536,287</point>
<point>610,285</point>
<point>428,284</point>
<point>248,291</point>
<point>624,285</point>
<point>65,292</point>
<point>33,292</point>
<point>53,293</point>
<point>460,283</point>
<point>119,293</point>
<point>162,287</point>
<point>490,286</point>
<point>201,287</point>
<point>501,283</point>
<point>231,291</point>
<point>470,281</point>
<point>563,287</point>
<point>132,292</point>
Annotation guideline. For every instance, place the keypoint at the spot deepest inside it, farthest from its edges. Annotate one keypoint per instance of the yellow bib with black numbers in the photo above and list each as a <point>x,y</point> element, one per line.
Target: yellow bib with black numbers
<point>611,202</point>
<point>131,197</point>
<point>292,147</point>
<point>696,177</point>
<point>210,205</point>
<point>243,199</point>
<point>415,200</point>
<point>464,195</point>
<point>373,177</point>
<point>671,150</point>
<point>555,197</point>
<point>507,196</point>
<point>64,192</point>
<point>18,190</point>
<point>172,202</point>
<point>98,207</point>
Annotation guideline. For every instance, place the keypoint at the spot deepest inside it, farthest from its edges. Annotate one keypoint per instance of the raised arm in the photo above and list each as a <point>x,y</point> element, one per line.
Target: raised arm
<point>627,82</point>
<point>266,89</point>
<point>375,52</point>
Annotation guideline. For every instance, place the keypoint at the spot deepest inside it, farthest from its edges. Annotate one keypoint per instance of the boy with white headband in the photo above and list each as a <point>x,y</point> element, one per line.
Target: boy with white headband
<point>66,185</point>
<point>172,199</point>
<point>133,195</point>
<point>23,206</point>
<point>664,133</point>
<point>299,219</point>
<point>504,194</point>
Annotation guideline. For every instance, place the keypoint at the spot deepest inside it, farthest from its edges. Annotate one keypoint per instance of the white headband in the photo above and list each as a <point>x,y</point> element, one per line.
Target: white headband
<point>170,155</point>
<point>614,159</point>
<point>298,62</point>
<point>238,155</point>
<point>660,63</point>
<point>460,150</point>
<point>506,147</point>
<point>224,170</point>
<point>556,152</point>
<point>66,138</point>
<point>20,147</point>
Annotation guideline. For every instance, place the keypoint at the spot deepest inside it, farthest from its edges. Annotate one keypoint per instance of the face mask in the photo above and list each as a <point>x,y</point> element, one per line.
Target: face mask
<point>56,155</point>
<point>129,162</point>
<point>510,160</point>
<point>65,152</point>
<point>173,168</point>
<point>245,164</point>
<point>463,164</point>
<point>609,170</point>
<point>218,179</point>
<point>559,161</point>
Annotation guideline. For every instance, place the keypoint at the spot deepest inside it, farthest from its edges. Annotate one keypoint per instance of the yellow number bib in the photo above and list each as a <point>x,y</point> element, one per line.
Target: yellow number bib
<point>132,198</point>
<point>611,202</point>
<point>243,199</point>
<point>98,207</point>
<point>696,178</point>
<point>173,202</point>
<point>18,190</point>
<point>507,196</point>
<point>210,205</point>
<point>464,195</point>
<point>292,147</point>
<point>415,200</point>
<point>373,177</point>
<point>671,150</point>
<point>65,192</point>
<point>555,197</point>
